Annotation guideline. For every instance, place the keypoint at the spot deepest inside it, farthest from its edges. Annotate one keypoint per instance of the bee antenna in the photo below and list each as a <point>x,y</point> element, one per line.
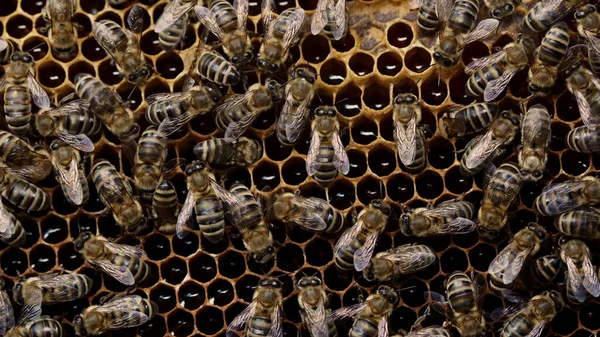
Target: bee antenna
<point>381,190</point>
<point>319,96</point>
<point>34,47</point>
<point>343,99</point>
<point>131,93</point>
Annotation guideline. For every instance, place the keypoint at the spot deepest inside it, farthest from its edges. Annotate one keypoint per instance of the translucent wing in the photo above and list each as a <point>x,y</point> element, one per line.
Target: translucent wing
<point>484,29</point>
<point>170,125</point>
<point>298,119</point>
<point>552,12</point>
<point>119,273</point>
<point>382,327</point>
<point>79,142</point>
<point>575,280</point>
<point>135,19</point>
<point>183,225</point>
<point>78,106</point>
<point>515,266</point>
<point>406,141</point>
<point>241,8</point>
<point>443,9</point>
<point>295,21</point>
<point>308,218</point>
<point>486,61</point>
<point>315,318</point>
<point>104,37</point>
<point>564,201</point>
<point>482,150</point>
<point>267,15</point>
<point>121,249</point>
<point>590,278</point>
<point>71,180</point>
<point>276,330</point>
<point>585,110</point>
<point>234,103</point>
<point>173,12</point>
<point>457,226</point>
<point>438,302</point>
<point>537,330</point>
<point>348,236</point>
<point>339,19</point>
<point>227,197</point>
<point>319,18</point>
<point>593,45</point>
<point>566,187</point>
<point>208,19</point>
<point>236,129</point>
<point>7,317</point>
<point>313,151</point>
<point>362,256</point>
<point>240,320</point>
<point>7,227</point>
<point>172,97</point>
<point>3,44</point>
<point>532,127</point>
<point>409,259</point>
<point>349,311</point>
<point>340,158</point>
<point>32,305</point>
<point>39,96</point>
<point>495,87</point>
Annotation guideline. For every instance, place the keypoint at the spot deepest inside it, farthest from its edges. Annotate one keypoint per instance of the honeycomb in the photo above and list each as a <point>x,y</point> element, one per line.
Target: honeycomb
<point>196,281</point>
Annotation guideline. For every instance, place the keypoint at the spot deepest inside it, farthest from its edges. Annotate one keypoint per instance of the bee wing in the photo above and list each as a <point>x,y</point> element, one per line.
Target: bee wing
<point>340,158</point>
<point>173,12</point>
<point>443,9</point>
<point>308,218</point>
<point>363,255</point>
<point>235,129</point>
<point>104,38</point>
<point>313,151</point>
<point>457,226</point>
<point>382,327</point>
<point>593,44</point>
<point>7,227</point>
<point>295,21</point>
<point>7,317</point>
<point>267,13</point>
<point>482,150</point>
<point>574,55</point>
<point>32,306</point>
<point>209,20</point>
<point>276,330</point>
<point>590,278</point>
<point>410,259</point>
<point>3,44</point>
<point>502,264</point>
<point>495,87</point>
<point>406,141</point>
<point>70,179</point>
<point>294,128</point>
<point>515,266</point>
<point>170,125</point>
<point>537,330</point>
<point>483,62</point>
<point>227,197</point>
<point>565,187</point>
<point>183,225</point>
<point>39,96</point>
<point>121,249</point>
<point>315,317</point>
<point>575,280</point>
<point>79,142</point>
<point>348,236</point>
<point>77,106</point>
<point>532,128</point>
<point>319,18</point>
<point>238,322</point>
<point>135,19</point>
<point>585,110</point>
<point>549,13</point>
<point>241,8</point>
<point>484,29</point>
<point>119,273</point>
<point>339,19</point>
<point>438,302</point>
<point>167,96</point>
<point>349,311</point>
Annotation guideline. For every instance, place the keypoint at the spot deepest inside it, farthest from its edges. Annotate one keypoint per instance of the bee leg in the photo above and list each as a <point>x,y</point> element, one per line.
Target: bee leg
<point>67,98</point>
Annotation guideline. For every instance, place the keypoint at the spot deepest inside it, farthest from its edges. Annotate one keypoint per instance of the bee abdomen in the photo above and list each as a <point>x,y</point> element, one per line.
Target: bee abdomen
<point>463,15</point>
<point>118,35</point>
<point>26,196</point>
<point>159,111</point>
<point>216,69</point>
<point>427,18</point>
<point>164,199</point>
<point>345,259</point>
<point>554,45</point>
<point>363,327</point>
<point>225,15</point>
<point>172,36</point>
<point>18,237</point>
<point>258,326</point>
<point>137,266</point>
<point>210,217</point>
<point>17,109</point>
<point>460,292</point>
<point>334,220</point>
<point>420,158</point>
<point>544,269</point>
<point>228,116</point>
<point>281,25</point>
<point>325,169</point>
<point>580,223</point>
<point>45,327</point>
<point>582,139</point>
<point>480,79</point>
<point>87,123</point>
<point>251,209</point>
<point>517,325</point>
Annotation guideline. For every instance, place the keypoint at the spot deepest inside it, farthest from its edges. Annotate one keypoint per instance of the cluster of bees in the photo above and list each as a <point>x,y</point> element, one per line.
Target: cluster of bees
<point>544,46</point>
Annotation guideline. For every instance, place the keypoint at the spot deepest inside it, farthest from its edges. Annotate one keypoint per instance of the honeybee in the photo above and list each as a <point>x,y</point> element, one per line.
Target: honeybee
<point>331,18</point>
<point>120,312</point>
<point>228,23</point>
<point>533,318</point>
<point>388,266</point>
<point>210,65</point>
<point>428,332</point>
<point>52,288</point>
<point>299,92</point>
<point>501,9</point>
<point>263,316</point>
<point>20,87</point>
<point>547,58</point>
<point>7,48</point>
<point>581,274</point>
<point>535,139</point>
<point>73,118</point>
<point>205,197</point>
<point>123,46</point>
<point>326,155</point>
<point>173,110</point>
<point>371,316</point>
<point>498,194</point>
<point>585,87</point>
<point>108,106</point>
<point>580,223</point>
<point>545,13</point>
<point>31,326</point>
<point>69,172</point>
<point>165,207</point>
<point>468,120</point>
<point>220,151</point>
<point>583,139</point>
<point>124,263</point>
<point>490,75</point>
<point>449,217</point>
<point>482,150</point>
<point>149,161</point>
<point>506,266</point>
<point>58,14</point>
<point>428,20</point>
<point>354,248</point>
<point>31,164</point>
<point>309,213</point>
<point>543,270</point>
<point>11,232</point>
<point>410,140</point>
<point>567,196</point>
<point>312,301</point>
<point>464,303</point>
<point>281,34</point>
<point>250,222</point>
<point>173,35</point>
<point>21,193</point>
<point>173,14</point>
<point>238,111</point>
<point>588,26</point>
<point>7,318</point>
<point>116,194</point>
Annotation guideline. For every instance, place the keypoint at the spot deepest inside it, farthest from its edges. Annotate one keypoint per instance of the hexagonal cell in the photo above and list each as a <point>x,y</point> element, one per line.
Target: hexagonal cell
<point>181,323</point>
<point>191,295</point>
<point>333,72</point>
<point>389,64</point>
<point>109,74</point>
<point>376,96</point>
<point>14,261</point>
<point>341,194</point>
<point>293,171</point>
<point>18,26</point>
<point>358,163</point>
<point>164,296</point>
<point>348,100</point>
<point>318,252</point>
<point>54,230</point>
<point>441,153</point>
<point>400,188</point>
<point>557,138</point>
<point>364,131</point>
<point>458,94</point>
<point>344,45</point>
<point>153,328</point>
<point>575,163</point>
<point>42,258</point>
<point>266,174</point>
<point>173,270</point>
<point>315,48</point>
<point>244,287</point>
<point>157,247</point>
<point>566,108</point>
<point>382,161</point>
<point>361,64</point>
<point>38,48</point>
<point>400,35</point>
<point>202,268</point>
<point>68,257</point>
<point>401,318</point>
<point>473,51</point>
<point>8,8</point>
<point>412,293</point>
<point>51,74</point>
<point>220,292</point>
<point>565,321</point>
<point>370,188</point>
<point>232,264</point>
<point>188,245</point>
<point>290,257</point>
<point>434,92</point>
<point>454,259</point>
<point>80,67</point>
<point>481,256</point>
<point>131,95</point>
<point>429,184</point>
<point>417,60</point>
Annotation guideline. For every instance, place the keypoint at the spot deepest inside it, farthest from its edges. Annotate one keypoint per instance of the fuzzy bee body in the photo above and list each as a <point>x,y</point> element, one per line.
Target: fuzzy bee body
<point>11,230</point>
<point>149,160</point>
<point>390,265</point>
<point>568,195</point>
<point>37,327</point>
<point>540,310</point>
<point>583,139</point>
<point>174,34</point>
<point>241,152</point>
<point>165,207</point>
<point>468,120</point>
<point>535,140</point>
<point>547,12</point>
<point>427,18</point>
<point>69,172</point>
<point>23,194</point>
<point>312,214</point>
<point>217,69</point>
<point>580,223</point>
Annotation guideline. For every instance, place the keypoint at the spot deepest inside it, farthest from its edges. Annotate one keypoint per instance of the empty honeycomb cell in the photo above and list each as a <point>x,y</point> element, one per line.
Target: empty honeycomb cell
<point>361,64</point>
<point>291,310</point>
<point>111,16</point>
<point>157,247</point>
<point>452,260</point>
<point>131,95</point>
<point>588,316</point>
<point>92,6</point>
<point>244,287</point>
<point>557,139</point>
<point>54,230</point>
<point>164,296</point>
<point>429,184</point>
<point>38,48</point>
<point>220,292</point>
<point>341,194</point>
<point>456,182</point>
<point>315,48</point>
<point>348,100</point>
<point>376,96</point>
<point>318,252</point>
<point>14,261</point>
<point>433,92</point>
<point>575,163</point>
<point>80,67</point>
<point>173,270</point>
<point>169,65</point>
<point>402,318</point>
<point>191,295</point>
<point>188,245</point>
<point>566,107</point>
<point>265,120</point>
<point>400,35</point>
<point>382,161</point>
<point>474,51</point>
<point>155,86</point>
<point>42,258</point>
<point>202,267</point>
<point>68,257</point>
<point>553,165</point>
<point>358,163</point>
<point>458,94</point>
<point>155,327</point>
<point>261,268</point>
<point>333,72</point>
<point>370,188</point>
<point>336,280</point>
<point>109,74</point>
<point>481,256</point>
<point>565,322</point>
<point>51,74</point>
<point>266,175</point>
<point>529,194</point>
<point>516,86</point>
<point>8,8</point>
<point>345,45</point>
<point>108,227</point>
<point>400,188</point>
<point>232,264</point>
<point>522,218</point>
<point>74,308</point>
<point>364,131</point>
<point>91,50</point>
<point>298,234</point>
<point>181,322</point>
<point>18,26</point>
<point>440,153</point>
<point>293,171</point>
<point>466,240</point>
<point>389,64</point>
<point>412,293</point>
<point>417,59</point>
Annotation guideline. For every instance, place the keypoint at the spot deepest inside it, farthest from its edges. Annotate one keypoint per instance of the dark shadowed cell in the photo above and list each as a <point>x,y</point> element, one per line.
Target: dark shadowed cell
<point>376,96</point>
<point>400,188</point>
<point>382,161</point>
<point>417,60</point>
<point>389,64</point>
<point>318,252</point>
<point>191,295</point>
<point>220,292</point>
<point>232,264</point>
<point>202,268</point>
<point>454,259</point>
<point>290,257</point>
<point>181,322</point>
<point>481,256</point>
<point>164,296</point>
<point>361,64</point>
<point>333,72</point>
<point>157,247</point>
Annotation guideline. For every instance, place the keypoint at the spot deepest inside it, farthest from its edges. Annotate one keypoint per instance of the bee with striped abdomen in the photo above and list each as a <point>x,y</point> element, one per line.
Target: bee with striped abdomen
<point>149,161</point>
<point>124,263</point>
<point>211,66</point>
<point>354,248</point>
<point>468,120</point>
<point>263,316</point>
<point>172,24</point>
<point>221,151</point>
<point>33,164</point>
<point>312,301</point>
<point>588,26</point>
<point>581,223</point>
<point>409,138</point>
<point>428,20</point>
<point>547,58</point>
<point>7,48</point>
<point>534,317</point>
<point>499,193</point>
<point>116,194</point>
<point>309,213</point>
<point>507,265</point>
<point>20,193</point>
<point>205,197</point>
<point>482,150</point>
<point>11,230</point>
<point>326,154</point>
<point>331,18</point>
<point>238,111</point>
<point>50,123</point>
<point>7,318</point>
<point>407,259</point>
<point>535,140</point>
<point>165,208</point>
<point>582,83</point>
<point>567,196</point>
<point>20,88</point>
<point>281,34</point>
<point>58,15</point>
<point>299,92</point>
<point>583,139</point>
<point>31,326</point>
<point>250,222</point>
<point>543,270</point>
<point>119,312</point>
<point>69,172</point>
<point>545,13</point>
<point>371,316</point>
<point>581,274</point>
<point>123,46</point>
<point>449,217</point>
<point>501,9</point>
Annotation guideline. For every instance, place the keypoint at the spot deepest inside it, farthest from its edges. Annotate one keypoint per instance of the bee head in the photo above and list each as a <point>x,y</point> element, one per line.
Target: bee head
<point>443,53</point>
<point>56,144</point>
<point>22,56</point>
<point>389,293</point>
<point>275,89</point>
<point>81,240</point>
<point>265,255</point>
<point>272,282</point>
<point>214,91</point>
<point>309,281</point>
<point>18,291</point>
<point>583,11</point>
<point>514,119</point>
<point>195,166</point>
<point>142,75</point>
<point>502,12</point>
<point>266,66</point>
<point>559,303</point>
<point>303,72</point>
<point>539,231</point>
<point>404,224</point>
<point>405,98</point>
<point>382,206</point>
<point>80,330</point>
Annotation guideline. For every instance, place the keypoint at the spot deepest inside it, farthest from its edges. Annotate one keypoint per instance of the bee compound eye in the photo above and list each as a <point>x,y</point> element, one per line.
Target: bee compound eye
<point>235,59</point>
<point>398,99</point>
<point>496,12</point>
<point>273,67</point>
<point>131,78</point>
